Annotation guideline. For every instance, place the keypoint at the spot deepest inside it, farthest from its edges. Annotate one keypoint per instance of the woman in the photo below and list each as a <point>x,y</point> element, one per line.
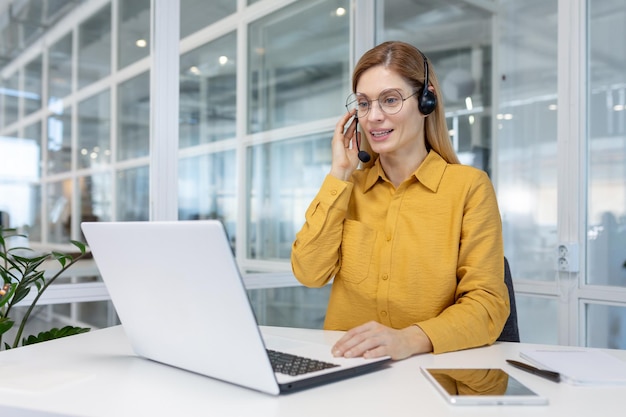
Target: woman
<point>413,239</point>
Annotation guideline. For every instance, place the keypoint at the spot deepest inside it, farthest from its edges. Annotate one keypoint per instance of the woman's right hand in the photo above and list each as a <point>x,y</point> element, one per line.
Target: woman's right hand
<point>344,150</point>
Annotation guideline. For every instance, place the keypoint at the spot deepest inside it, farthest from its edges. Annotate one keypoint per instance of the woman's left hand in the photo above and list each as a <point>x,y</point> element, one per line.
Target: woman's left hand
<point>372,340</point>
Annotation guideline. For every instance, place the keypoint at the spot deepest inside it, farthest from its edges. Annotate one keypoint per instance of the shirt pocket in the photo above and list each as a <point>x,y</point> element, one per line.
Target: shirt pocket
<point>357,247</point>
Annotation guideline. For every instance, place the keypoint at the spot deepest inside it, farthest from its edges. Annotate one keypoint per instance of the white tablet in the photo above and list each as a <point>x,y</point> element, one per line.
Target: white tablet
<point>481,386</point>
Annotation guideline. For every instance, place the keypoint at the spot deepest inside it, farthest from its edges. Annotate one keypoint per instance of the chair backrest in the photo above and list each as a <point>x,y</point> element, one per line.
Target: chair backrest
<point>510,332</point>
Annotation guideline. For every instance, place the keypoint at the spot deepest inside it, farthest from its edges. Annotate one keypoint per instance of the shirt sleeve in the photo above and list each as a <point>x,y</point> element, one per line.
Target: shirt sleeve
<point>315,253</point>
<point>481,299</point>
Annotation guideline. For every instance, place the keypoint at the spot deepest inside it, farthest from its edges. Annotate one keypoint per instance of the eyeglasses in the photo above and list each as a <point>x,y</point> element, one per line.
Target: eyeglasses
<point>390,102</point>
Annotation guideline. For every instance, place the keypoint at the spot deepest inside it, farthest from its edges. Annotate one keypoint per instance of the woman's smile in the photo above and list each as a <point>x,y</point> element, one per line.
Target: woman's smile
<point>380,135</point>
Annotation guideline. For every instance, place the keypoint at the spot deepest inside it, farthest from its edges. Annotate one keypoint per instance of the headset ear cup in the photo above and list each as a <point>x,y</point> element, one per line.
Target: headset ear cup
<point>427,102</point>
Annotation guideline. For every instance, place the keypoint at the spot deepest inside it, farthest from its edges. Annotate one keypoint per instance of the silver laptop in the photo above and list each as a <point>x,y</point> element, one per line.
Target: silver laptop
<point>182,302</point>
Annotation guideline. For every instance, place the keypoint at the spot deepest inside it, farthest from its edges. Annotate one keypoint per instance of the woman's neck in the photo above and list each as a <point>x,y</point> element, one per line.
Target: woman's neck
<point>399,166</point>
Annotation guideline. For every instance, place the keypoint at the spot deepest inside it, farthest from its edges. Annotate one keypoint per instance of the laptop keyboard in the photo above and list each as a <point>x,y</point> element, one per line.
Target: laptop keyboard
<point>293,365</point>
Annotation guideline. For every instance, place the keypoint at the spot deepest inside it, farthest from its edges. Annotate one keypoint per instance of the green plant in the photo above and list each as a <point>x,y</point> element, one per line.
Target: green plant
<point>20,274</point>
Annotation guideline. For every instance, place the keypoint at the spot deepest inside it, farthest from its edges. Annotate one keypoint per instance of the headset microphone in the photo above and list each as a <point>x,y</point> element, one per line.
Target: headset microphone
<point>363,155</point>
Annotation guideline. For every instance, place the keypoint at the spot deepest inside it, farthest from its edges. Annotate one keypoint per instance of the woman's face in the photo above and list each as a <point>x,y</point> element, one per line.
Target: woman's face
<point>400,133</point>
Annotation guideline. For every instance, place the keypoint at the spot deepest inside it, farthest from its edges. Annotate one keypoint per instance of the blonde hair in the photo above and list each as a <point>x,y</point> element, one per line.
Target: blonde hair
<point>408,62</point>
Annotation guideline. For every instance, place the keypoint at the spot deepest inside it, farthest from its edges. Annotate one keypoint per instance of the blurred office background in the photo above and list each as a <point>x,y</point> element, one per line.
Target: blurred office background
<point>96,124</point>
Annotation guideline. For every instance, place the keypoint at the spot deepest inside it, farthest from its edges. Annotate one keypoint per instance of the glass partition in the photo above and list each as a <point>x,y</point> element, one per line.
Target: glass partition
<point>10,97</point>
<point>132,190</point>
<point>606,212</point>
<point>90,314</point>
<point>94,131</point>
<point>59,196</point>
<point>207,189</point>
<point>197,14</point>
<point>208,80</point>
<point>30,166</point>
<point>20,174</point>
<point>134,31</point>
<point>284,177</point>
<point>59,144</point>
<point>605,325</point>
<point>26,199</point>
<point>94,47</point>
<point>60,70</point>
<point>298,63</point>
<point>133,118</point>
<point>290,307</point>
<point>538,319</point>
<point>32,223</point>
<point>95,193</point>
<point>527,137</point>
<point>33,76</point>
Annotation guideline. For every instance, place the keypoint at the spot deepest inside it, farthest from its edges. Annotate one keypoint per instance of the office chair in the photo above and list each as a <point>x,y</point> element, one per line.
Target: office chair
<point>510,332</point>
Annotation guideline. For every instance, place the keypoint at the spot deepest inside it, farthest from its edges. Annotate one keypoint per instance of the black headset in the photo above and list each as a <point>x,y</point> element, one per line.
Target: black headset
<point>427,100</point>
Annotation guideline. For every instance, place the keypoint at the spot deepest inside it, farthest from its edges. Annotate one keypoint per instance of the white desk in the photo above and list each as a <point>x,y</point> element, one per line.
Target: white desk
<point>96,374</point>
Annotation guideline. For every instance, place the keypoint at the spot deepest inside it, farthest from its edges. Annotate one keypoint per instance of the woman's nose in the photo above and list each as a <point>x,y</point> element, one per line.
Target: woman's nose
<point>376,112</point>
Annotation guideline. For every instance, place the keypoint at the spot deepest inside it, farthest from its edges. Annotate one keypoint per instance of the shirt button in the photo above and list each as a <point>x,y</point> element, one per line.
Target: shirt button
<point>383,313</point>
<point>385,277</point>
<point>333,192</point>
<point>388,238</point>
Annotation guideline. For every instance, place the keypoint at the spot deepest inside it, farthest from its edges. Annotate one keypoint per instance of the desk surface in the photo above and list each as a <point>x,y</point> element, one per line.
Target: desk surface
<point>97,374</point>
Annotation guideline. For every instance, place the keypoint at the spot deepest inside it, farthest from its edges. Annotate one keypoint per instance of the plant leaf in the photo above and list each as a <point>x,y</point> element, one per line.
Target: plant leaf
<point>20,294</point>
<point>61,257</point>
<point>11,261</point>
<point>54,333</point>
<point>5,324</point>
<point>80,245</point>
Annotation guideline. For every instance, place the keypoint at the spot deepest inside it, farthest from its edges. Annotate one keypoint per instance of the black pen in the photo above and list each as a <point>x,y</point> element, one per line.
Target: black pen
<point>544,373</point>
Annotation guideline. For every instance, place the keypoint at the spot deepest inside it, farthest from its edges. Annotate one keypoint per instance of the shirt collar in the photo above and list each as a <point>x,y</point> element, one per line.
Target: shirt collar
<point>429,173</point>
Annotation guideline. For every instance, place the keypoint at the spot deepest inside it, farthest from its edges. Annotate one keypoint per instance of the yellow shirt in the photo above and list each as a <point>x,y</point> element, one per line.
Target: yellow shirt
<point>428,253</point>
